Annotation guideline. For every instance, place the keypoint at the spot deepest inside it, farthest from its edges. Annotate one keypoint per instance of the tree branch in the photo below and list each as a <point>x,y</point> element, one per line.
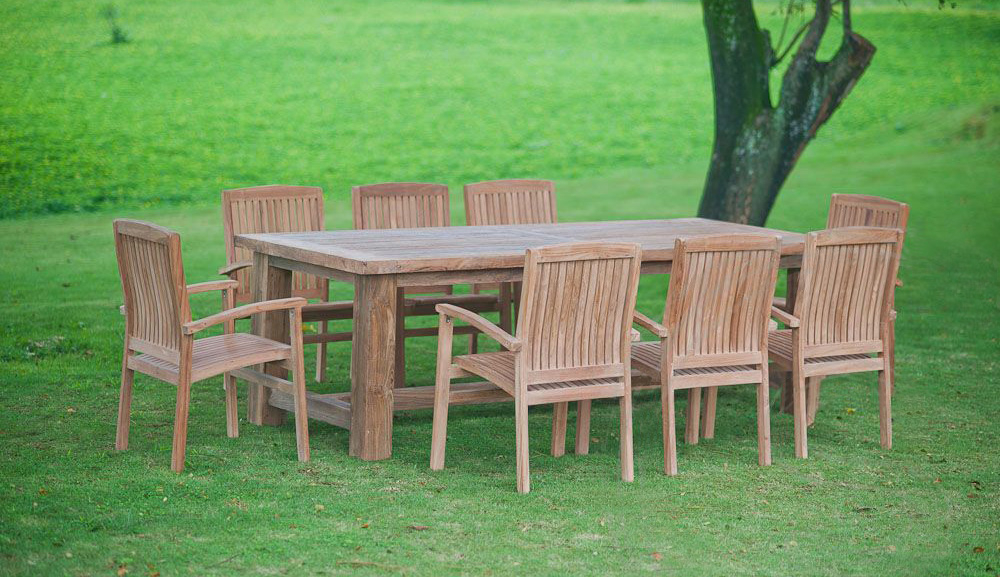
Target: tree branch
<point>810,44</point>
<point>791,44</point>
<point>847,17</point>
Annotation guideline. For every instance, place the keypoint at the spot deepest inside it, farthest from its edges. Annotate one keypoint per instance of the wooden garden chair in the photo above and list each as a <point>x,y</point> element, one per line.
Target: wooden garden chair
<point>860,210</point>
<point>572,343</point>
<point>413,205</point>
<point>281,208</point>
<point>843,317</point>
<point>499,202</point>
<point>159,335</point>
<point>714,330</point>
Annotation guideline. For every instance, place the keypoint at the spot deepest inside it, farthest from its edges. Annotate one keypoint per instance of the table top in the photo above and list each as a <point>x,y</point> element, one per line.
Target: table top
<point>455,248</point>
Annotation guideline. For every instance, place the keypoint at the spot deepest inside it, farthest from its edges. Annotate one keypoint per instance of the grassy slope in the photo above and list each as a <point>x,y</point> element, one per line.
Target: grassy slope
<point>70,505</point>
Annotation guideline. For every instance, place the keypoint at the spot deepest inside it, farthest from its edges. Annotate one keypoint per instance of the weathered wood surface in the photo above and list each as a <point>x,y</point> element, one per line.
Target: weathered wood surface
<point>474,248</point>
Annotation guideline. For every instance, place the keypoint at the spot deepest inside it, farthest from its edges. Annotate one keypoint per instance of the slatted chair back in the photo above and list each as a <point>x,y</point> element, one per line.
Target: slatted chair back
<point>152,275</point>
<point>845,290</point>
<point>266,209</point>
<point>862,210</point>
<point>576,311</point>
<point>719,299</point>
<point>400,205</point>
<point>510,202</point>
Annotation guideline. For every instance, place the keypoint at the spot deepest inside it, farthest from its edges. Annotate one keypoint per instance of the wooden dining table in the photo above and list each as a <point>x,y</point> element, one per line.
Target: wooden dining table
<point>378,262</point>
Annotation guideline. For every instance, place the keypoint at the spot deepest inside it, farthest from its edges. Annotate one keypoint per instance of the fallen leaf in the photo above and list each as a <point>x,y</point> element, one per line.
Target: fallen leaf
<point>938,480</point>
<point>320,508</point>
<point>418,527</point>
<point>122,570</point>
<point>891,548</point>
<point>43,491</point>
<point>978,549</point>
<point>365,526</point>
<point>657,556</point>
<point>850,410</point>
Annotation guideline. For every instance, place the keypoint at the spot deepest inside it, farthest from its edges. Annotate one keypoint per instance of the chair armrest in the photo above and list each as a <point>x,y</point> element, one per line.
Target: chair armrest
<point>212,285</point>
<point>242,312</point>
<point>650,325</point>
<point>489,329</point>
<point>788,319</point>
<point>228,270</point>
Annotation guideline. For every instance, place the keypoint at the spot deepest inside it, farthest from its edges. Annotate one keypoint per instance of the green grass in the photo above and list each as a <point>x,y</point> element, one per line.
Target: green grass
<point>610,99</point>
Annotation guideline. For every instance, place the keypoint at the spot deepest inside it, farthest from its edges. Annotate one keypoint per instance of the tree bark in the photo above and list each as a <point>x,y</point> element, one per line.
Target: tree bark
<point>757,144</point>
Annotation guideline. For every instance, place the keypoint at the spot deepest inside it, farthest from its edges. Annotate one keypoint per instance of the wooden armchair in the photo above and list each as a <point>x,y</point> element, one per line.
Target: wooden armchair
<point>714,330</point>
<point>281,208</point>
<point>497,202</point>
<point>860,210</point>
<point>159,335</point>
<point>842,318</point>
<point>573,342</point>
<point>413,205</point>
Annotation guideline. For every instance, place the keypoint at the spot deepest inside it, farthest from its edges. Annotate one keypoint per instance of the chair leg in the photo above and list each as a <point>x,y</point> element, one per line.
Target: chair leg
<point>442,393</point>
<point>669,431</point>
<point>812,399</point>
<point>890,352</point>
<point>560,414</point>
<point>764,424</point>
<point>708,418</point>
<point>627,459</point>
<point>400,366</point>
<point>885,406</point>
<point>301,401</point>
<point>473,343</point>
<point>582,445</point>
<point>693,416</point>
<point>232,407</point>
<point>799,414</point>
<point>324,327</point>
<point>521,443</point>
<point>124,406</point>
<point>181,423</point>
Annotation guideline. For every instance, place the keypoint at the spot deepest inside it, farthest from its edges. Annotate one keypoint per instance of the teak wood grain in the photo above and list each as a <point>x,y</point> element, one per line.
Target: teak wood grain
<point>842,317</point>
<point>159,335</point>
<point>282,208</point>
<point>573,343</point>
<point>394,205</point>
<point>714,330</point>
<point>418,257</point>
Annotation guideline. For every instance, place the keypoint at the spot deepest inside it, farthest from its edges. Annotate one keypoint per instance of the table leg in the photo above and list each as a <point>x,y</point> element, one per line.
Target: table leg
<point>373,366</point>
<point>791,293</point>
<point>268,283</point>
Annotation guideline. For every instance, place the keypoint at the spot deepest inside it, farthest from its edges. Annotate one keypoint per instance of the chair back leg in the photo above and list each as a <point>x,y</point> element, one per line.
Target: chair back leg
<point>232,407</point>
<point>560,415</point>
<point>582,445</point>
<point>124,405</point>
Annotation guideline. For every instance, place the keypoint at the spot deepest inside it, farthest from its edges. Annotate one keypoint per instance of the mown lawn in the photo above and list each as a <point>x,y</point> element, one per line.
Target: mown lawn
<point>610,99</point>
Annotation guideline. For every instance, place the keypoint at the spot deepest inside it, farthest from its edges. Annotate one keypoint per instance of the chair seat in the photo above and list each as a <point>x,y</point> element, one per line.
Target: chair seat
<point>498,368</point>
<point>779,350</point>
<point>646,356</point>
<point>215,355</point>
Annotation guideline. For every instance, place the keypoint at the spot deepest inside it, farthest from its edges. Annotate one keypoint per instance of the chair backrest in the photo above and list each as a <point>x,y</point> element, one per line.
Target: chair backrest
<point>510,202</point>
<point>576,311</point>
<point>845,289</point>
<point>273,208</point>
<point>152,274</point>
<point>719,299</point>
<point>400,205</point>
<point>862,210</point>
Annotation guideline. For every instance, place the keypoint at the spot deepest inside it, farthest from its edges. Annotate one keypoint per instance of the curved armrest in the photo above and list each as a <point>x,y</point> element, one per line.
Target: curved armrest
<point>788,319</point>
<point>212,285</point>
<point>501,336</point>
<point>242,312</point>
<point>650,325</point>
<point>228,270</point>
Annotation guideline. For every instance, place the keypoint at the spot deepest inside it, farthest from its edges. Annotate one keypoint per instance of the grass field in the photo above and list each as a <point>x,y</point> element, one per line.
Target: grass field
<point>610,99</point>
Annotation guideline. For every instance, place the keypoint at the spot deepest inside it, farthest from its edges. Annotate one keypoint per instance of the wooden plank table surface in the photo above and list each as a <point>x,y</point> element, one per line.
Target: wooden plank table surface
<point>378,262</point>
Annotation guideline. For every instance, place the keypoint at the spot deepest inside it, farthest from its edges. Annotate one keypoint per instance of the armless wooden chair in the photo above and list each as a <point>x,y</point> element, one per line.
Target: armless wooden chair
<point>280,208</point>
<point>498,202</point>
<point>159,335</point>
<point>413,205</point>
<point>860,210</point>
<point>714,330</point>
<point>573,342</point>
<point>842,318</point>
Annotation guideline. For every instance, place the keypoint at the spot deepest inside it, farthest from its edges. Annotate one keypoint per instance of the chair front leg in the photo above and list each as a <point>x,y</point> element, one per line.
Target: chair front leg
<point>299,382</point>
<point>669,429</point>
<point>799,416</point>
<point>232,415</point>
<point>885,404</point>
<point>442,392</point>
<point>183,405</point>
<point>625,433</point>
<point>764,418</point>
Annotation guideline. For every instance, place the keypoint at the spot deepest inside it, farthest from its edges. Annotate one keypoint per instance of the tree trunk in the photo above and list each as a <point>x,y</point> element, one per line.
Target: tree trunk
<point>757,144</point>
